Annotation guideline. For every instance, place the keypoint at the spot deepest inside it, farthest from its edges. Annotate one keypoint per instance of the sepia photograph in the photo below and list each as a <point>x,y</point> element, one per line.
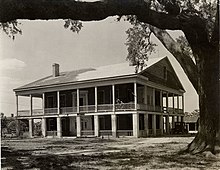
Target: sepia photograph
<point>110,84</point>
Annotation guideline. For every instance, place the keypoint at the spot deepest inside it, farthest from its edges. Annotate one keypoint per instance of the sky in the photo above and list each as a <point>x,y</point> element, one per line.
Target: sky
<point>31,55</point>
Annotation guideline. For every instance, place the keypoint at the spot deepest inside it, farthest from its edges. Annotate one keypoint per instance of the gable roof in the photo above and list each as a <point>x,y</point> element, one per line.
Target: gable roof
<point>75,76</point>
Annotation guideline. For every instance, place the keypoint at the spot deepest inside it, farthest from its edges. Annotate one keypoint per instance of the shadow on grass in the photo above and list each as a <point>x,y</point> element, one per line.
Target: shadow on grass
<point>160,156</point>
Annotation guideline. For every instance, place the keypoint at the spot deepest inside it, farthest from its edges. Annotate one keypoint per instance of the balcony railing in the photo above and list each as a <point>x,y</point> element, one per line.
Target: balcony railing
<point>68,110</point>
<point>24,113</point>
<point>50,111</point>
<point>87,108</point>
<point>100,108</point>
<point>125,106</point>
<point>105,107</point>
<point>37,112</point>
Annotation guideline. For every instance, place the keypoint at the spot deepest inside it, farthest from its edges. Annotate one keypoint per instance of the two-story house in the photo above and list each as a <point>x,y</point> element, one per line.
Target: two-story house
<point>112,100</point>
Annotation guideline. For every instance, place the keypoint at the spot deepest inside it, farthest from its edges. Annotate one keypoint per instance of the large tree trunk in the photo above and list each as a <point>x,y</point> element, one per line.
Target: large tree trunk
<point>208,137</point>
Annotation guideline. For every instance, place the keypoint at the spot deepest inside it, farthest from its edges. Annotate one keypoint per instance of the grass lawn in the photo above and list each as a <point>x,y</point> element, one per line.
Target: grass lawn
<point>96,153</point>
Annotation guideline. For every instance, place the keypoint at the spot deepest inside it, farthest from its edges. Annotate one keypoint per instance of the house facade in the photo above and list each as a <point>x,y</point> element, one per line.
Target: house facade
<point>112,100</point>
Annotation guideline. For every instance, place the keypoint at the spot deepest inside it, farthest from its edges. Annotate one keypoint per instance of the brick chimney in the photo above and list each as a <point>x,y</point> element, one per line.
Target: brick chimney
<point>56,70</point>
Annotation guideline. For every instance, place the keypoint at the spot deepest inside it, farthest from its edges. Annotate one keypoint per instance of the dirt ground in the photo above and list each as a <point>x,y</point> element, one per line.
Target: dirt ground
<point>97,153</point>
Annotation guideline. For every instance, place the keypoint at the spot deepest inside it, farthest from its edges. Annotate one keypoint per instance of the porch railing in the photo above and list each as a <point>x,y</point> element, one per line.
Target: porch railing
<point>50,111</point>
<point>100,108</point>
<point>125,106</point>
<point>87,108</point>
<point>68,110</point>
<point>24,113</point>
<point>141,106</point>
<point>37,112</point>
<point>87,132</point>
<point>158,108</point>
<point>105,107</point>
<point>124,132</point>
<point>105,133</point>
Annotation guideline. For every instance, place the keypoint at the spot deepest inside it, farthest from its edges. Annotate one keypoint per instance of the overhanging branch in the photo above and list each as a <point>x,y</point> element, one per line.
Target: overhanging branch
<point>184,60</point>
<point>84,11</point>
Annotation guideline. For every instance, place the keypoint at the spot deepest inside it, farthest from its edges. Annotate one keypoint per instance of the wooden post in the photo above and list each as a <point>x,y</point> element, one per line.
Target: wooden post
<point>113,97</point>
<point>136,125</point>
<point>43,127</point>
<point>43,103</point>
<point>59,127</point>
<point>77,100</point>
<point>161,100</point>
<point>154,98</point>
<point>114,125</point>
<point>96,125</point>
<point>31,105</point>
<point>58,102</point>
<point>154,127</point>
<point>96,99</point>
<point>167,102</point>
<point>78,126</point>
<point>161,124</point>
<point>30,128</point>
<point>146,128</point>
<point>135,95</point>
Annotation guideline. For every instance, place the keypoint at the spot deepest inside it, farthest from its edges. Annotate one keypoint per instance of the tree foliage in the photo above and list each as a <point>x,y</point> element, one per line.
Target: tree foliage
<point>197,52</point>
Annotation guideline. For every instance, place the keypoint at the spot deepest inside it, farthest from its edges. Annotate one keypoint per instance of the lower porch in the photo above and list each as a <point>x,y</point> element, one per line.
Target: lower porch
<point>115,125</point>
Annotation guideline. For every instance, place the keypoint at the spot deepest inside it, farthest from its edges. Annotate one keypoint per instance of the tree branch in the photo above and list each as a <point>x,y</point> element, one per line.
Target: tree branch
<point>84,11</point>
<point>173,47</point>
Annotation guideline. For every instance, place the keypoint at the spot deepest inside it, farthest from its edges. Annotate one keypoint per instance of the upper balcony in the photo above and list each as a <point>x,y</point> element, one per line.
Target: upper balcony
<point>100,108</point>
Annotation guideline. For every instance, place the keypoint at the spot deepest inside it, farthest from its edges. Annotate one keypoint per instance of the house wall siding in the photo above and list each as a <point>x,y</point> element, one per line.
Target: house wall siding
<point>156,74</point>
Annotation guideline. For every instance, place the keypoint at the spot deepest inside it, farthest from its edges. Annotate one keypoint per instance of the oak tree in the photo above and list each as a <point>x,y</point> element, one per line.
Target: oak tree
<point>197,52</point>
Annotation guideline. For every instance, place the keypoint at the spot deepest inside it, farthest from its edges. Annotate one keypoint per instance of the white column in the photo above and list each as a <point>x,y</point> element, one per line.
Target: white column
<point>145,89</point>
<point>167,124</point>
<point>30,128</point>
<point>178,105</point>
<point>16,98</point>
<point>161,124</point>
<point>183,103</point>
<point>58,102</point>
<point>77,100</point>
<point>78,126</point>
<point>154,127</point>
<point>161,100</point>
<point>154,98</point>
<point>31,105</point>
<point>96,125</point>
<point>167,101</point>
<point>113,97</point>
<point>135,95</point>
<point>114,125</point>
<point>59,127</point>
<point>96,100</point>
<point>146,124</point>
<point>43,127</point>
<point>17,121</point>
<point>43,103</point>
<point>135,125</point>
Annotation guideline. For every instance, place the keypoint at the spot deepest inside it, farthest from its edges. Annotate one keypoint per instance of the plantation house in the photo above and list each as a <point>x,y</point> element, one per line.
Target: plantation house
<point>114,100</point>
